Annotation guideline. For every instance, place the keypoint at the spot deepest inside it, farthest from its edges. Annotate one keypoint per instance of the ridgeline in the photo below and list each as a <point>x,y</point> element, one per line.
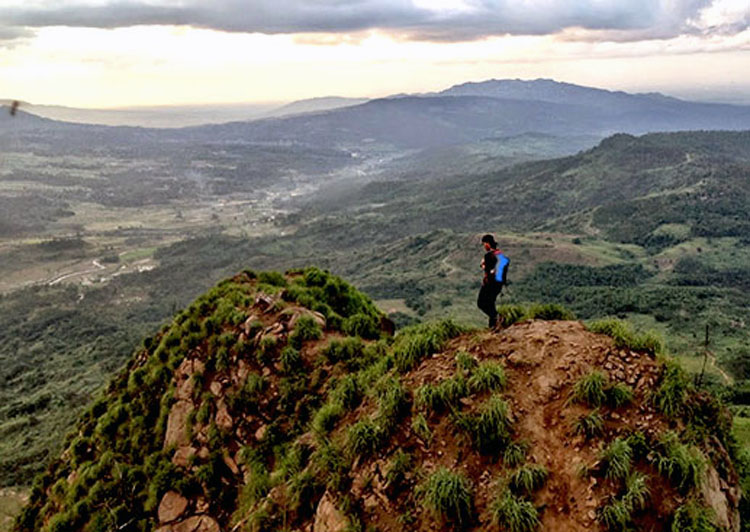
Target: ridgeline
<point>284,402</point>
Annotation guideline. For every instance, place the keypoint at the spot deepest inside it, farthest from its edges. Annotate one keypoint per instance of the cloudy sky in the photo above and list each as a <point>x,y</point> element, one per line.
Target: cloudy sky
<point>102,53</point>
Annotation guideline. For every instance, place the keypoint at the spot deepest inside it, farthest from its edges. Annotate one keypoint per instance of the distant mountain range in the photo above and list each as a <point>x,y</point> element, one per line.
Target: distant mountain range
<point>461,114</point>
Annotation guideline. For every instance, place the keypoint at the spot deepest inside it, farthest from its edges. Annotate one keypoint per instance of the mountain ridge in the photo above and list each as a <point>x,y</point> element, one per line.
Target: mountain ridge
<point>276,401</point>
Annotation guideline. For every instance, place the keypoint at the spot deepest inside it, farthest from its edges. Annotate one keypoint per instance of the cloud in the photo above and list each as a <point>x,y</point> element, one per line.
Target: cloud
<point>621,20</point>
<point>10,36</point>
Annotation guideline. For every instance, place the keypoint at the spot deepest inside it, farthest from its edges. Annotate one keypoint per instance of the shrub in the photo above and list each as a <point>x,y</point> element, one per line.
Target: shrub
<point>414,343</point>
<point>492,427</point>
<point>616,458</point>
<point>421,429</point>
<point>445,394</point>
<point>527,479</point>
<point>590,425</point>
<point>514,514</point>
<point>515,453</point>
<point>393,403</point>
<point>399,466</point>
<point>272,278</point>
<point>625,338</point>
<point>449,495</point>
<point>619,395</point>
<point>672,394</point>
<point>364,437</point>
<point>615,516</point>
<point>510,314</point>
<point>681,463</point>
<point>305,329</point>
<point>636,491</point>
<point>488,377</point>
<point>362,325</point>
<point>549,311</point>
<point>327,417</point>
<point>693,517</point>
<point>343,350</point>
<point>465,361</point>
<point>291,360</point>
<point>590,389</point>
<point>347,392</point>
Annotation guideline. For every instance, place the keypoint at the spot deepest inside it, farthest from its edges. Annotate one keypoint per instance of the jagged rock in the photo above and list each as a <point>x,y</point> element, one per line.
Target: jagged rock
<point>172,506</point>
<point>328,518</point>
<point>177,424</point>
<point>197,523</point>
<point>223,419</point>
<point>231,464</point>
<point>216,388</point>
<point>182,456</point>
<point>727,514</point>
<point>184,390</point>
<point>264,301</point>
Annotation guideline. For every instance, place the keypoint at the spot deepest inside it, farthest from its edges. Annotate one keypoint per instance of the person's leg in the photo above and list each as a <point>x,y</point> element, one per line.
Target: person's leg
<point>486,303</point>
<point>492,306</point>
<point>483,300</point>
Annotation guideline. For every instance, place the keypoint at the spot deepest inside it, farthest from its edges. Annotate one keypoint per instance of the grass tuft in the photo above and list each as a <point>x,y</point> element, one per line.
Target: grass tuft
<point>693,517</point>
<point>514,514</point>
<point>672,394</point>
<point>589,425</point>
<point>617,457</point>
<point>487,377</point>
<point>443,395</point>
<point>529,478</point>
<point>449,495</point>
<point>590,389</point>
<point>626,338</point>
<point>515,453</point>
<point>681,463</point>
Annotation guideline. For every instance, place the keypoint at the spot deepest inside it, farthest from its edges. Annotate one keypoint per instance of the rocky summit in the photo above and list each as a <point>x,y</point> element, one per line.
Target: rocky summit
<point>285,402</point>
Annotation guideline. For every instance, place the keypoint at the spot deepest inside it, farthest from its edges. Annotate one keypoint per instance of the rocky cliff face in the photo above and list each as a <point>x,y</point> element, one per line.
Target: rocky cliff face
<point>285,403</point>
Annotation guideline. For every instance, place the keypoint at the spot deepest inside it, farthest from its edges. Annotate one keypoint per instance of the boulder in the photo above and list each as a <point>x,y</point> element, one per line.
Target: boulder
<point>172,506</point>
<point>328,518</point>
<point>177,424</point>
<point>197,523</point>
<point>727,513</point>
<point>182,456</point>
<point>223,419</point>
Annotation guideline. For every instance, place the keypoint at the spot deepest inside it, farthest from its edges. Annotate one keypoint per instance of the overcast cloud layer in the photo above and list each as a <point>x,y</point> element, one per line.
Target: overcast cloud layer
<point>468,20</point>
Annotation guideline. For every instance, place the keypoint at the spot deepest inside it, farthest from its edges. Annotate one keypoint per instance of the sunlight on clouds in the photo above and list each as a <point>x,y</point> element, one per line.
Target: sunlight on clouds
<point>171,65</point>
<point>444,5</point>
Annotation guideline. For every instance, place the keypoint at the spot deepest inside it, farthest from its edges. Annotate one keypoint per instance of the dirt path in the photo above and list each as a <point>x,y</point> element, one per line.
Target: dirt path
<point>61,278</point>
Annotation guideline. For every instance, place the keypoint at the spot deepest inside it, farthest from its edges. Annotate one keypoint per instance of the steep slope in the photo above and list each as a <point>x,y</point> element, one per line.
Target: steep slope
<point>283,403</point>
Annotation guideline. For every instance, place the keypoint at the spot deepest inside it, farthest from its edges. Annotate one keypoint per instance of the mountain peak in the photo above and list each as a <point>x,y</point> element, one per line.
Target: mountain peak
<point>283,401</point>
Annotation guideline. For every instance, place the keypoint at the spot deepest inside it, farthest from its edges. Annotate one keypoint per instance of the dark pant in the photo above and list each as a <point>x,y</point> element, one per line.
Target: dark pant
<point>486,300</point>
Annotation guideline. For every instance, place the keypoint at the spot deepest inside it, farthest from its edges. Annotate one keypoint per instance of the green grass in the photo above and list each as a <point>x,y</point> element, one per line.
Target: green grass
<point>487,377</point>
<point>421,429</point>
<point>590,389</point>
<point>682,463</point>
<point>625,337</point>
<point>443,395</point>
<point>514,514</point>
<point>449,495</point>
<point>527,479</point>
<point>589,425</point>
<point>673,391</point>
<point>617,458</point>
<point>693,517</point>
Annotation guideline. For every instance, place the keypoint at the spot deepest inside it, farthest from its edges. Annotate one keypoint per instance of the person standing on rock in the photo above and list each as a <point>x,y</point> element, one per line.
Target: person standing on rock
<point>492,282</point>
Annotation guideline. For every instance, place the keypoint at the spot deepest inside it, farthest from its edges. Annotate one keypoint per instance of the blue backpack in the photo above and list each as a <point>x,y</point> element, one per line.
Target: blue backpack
<point>501,268</point>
